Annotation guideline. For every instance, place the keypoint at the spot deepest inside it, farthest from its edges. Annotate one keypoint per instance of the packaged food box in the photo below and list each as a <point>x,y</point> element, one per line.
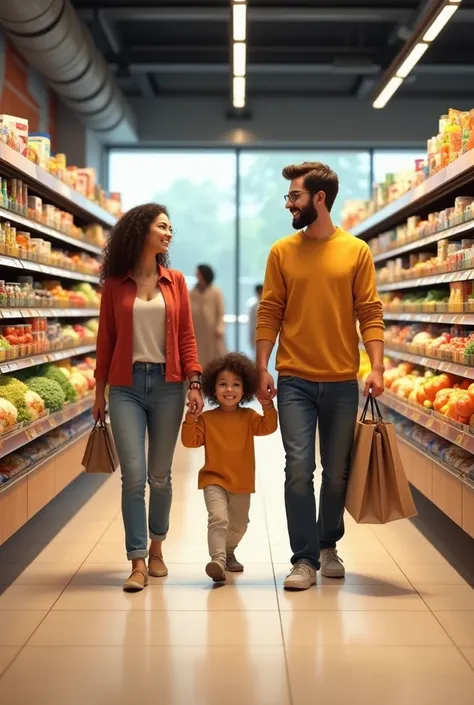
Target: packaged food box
<point>88,181</point>
<point>35,207</point>
<point>39,149</point>
<point>14,133</point>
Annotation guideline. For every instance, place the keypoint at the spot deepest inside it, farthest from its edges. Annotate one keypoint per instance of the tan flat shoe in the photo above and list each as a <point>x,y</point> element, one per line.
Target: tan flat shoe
<point>157,567</point>
<point>137,581</point>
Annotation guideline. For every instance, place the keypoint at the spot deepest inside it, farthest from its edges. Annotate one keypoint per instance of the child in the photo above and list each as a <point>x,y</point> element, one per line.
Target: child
<point>228,475</point>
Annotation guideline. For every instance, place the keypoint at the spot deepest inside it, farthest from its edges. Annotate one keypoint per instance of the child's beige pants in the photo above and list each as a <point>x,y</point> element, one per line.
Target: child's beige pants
<point>228,520</point>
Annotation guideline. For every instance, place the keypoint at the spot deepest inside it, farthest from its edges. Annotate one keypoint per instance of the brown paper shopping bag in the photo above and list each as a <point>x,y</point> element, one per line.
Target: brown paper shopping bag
<point>100,455</point>
<point>378,491</point>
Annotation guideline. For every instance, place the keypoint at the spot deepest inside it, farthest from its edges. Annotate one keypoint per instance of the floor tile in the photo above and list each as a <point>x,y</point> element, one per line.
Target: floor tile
<point>120,676</point>
<point>29,597</point>
<point>52,574</point>
<point>447,597</point>
<point>432,574</point>
<point>380,675</point>
<point>64,553</point>
<point>179,574</point>
<point>7,654</point>
<point>307,629</point>
<point>177,628</point>
<point>16,627</point>
<point>459,626</point>
<point>253,598</point>
<point>352,598</point>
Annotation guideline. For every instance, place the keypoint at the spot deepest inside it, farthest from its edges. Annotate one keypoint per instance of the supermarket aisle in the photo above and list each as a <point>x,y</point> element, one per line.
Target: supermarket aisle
<point>400,629</point>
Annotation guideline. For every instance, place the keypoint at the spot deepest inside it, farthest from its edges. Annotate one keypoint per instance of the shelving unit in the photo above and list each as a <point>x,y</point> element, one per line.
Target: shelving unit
<point>452,492</point>
<point>30,490</point>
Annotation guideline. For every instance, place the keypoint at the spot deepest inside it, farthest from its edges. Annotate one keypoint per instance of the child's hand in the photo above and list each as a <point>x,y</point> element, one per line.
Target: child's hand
<point>190,416</point>
<point>265,402</point>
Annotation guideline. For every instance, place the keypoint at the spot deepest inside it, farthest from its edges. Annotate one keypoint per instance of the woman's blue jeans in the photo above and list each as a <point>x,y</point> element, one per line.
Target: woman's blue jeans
<point>155,405</point>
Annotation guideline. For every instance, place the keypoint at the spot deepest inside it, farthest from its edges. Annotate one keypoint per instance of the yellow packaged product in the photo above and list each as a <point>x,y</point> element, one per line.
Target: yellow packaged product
<point>454,132</point>
<point>467,131</point>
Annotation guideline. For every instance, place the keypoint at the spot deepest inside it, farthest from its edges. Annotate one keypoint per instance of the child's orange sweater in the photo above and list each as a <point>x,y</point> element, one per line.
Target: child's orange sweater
<point>229,445</point>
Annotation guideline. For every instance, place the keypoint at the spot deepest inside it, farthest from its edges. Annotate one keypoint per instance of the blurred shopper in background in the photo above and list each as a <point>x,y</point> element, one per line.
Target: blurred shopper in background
<point>253,315</point>
<point>146,349</point>
<point>317,283</point>
<point>207,303</point>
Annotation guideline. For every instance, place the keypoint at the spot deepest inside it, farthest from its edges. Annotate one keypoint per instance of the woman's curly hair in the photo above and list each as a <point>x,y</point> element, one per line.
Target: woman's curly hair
<point>241,366</point>
<point>127,238</point>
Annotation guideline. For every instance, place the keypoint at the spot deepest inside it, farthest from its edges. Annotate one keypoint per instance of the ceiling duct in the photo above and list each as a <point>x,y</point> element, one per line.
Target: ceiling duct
<point>56,43</point>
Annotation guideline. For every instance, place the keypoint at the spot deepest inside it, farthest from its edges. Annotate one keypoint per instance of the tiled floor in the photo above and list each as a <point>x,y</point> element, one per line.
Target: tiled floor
<point>400,629</point>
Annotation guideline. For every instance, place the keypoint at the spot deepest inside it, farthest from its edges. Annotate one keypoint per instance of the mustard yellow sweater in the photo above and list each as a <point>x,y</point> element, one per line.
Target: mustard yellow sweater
<point>313,292</point>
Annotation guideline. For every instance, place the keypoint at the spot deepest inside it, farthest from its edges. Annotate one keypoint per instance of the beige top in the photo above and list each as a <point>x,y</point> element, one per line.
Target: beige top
<point>209,327</point>
<point>149,330</point>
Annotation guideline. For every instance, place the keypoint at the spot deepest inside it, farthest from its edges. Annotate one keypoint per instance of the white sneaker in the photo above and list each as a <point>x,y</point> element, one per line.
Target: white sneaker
<point>331,564</point>
<point>302,577</point>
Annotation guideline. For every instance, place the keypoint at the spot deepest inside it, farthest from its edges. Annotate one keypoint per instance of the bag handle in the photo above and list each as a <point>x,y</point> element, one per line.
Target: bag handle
<point>374,409</point>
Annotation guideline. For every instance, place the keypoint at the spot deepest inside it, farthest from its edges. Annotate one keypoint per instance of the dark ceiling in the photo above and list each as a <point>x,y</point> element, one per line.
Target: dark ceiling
<point>320,48</point>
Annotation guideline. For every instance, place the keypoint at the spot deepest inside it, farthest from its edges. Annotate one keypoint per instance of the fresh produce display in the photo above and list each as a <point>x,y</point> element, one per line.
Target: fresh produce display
<point>50,392</point>
<point>41,335</point>
<point>15,391</point>
<point>8,415</point>
<point>50,294</point>
<point>54,373</point>
<point>455,344</point>
<point>32,453</point>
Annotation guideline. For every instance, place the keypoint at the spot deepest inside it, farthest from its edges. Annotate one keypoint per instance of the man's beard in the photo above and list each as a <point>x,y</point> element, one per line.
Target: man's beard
<point>305,217</point>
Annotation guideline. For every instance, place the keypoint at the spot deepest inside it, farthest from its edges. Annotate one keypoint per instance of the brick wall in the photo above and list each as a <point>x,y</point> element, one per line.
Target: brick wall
<point>24,94</point>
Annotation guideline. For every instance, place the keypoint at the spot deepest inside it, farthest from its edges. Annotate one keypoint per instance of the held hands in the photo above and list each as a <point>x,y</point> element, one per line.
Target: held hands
<point>195,402</point>
<point>375,383</point>
<point>266,388</point>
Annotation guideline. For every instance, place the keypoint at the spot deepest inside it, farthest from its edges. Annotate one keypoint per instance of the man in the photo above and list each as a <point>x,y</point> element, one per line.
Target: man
<point>317,283</point>
<point>253,315</point>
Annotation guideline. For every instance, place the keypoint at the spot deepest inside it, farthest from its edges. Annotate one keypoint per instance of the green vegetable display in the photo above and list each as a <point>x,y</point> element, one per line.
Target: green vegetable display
<point>50,392</point>
<point>52,372</point>
<point>14,391</point>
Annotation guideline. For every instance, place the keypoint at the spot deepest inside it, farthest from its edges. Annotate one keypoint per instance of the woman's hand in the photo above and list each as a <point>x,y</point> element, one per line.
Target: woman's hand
<point>195,402</point>
<point>98,410</point>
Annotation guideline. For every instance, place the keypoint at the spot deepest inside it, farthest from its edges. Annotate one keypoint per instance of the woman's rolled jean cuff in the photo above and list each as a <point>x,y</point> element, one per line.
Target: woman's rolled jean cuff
<point>157,537</point>
<point>134,555</point>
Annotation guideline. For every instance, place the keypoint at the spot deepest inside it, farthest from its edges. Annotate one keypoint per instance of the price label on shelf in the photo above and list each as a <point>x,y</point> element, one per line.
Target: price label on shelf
<point>415,417</point>
<point>6,313</point>
<point>15,313</point>
<point>459,439</point>
<point>4,369</point>
<point>430,422</point>
<point>31,433</point>
<point>52,422</point>
<point>12,367</point>
<point>33,267</point>
<point>465,275</point>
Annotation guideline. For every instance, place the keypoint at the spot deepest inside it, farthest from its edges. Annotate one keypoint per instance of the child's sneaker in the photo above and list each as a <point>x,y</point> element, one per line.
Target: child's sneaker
<point>216,571</point>
<point>232,564</point>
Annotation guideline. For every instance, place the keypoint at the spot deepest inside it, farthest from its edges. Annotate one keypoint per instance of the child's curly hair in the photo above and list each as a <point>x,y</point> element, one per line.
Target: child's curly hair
<point>241,366</point>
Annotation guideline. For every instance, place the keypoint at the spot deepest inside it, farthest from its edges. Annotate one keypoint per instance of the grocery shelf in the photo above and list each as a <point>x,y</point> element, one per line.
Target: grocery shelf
<point>455,319</point>
<point>11,442</point>
<point>446,278</point>
<point>427,419</point>
<point>36,227</point>
<point>451,368</point>
<point>445,182</point>
<point>434,458</point>
<point>8,313</point>
<point>14,164</point>
<point>424,241</point>
<point>28,266</point>
<point>44,358</point>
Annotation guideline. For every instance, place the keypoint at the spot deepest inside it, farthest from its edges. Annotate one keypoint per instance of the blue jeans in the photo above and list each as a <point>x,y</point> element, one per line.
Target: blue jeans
<point>150,403</point>
<point>301,405</point>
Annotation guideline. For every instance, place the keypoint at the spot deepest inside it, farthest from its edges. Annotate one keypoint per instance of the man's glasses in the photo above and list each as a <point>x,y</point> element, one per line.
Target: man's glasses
<point>294,195</point>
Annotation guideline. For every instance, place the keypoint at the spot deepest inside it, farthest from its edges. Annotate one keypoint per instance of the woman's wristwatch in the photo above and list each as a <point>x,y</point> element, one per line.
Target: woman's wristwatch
<point>195,384</point>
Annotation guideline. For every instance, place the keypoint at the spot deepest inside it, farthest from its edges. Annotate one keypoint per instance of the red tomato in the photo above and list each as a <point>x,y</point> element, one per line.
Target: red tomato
<point>464,406</point>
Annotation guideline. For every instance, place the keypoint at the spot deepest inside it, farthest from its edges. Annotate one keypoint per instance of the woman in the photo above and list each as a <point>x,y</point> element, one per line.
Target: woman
<point>207,305</point>
<point>145,350</point>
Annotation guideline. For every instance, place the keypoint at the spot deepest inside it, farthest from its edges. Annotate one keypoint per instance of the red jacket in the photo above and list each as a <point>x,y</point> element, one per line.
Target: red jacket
<point>115,338</point>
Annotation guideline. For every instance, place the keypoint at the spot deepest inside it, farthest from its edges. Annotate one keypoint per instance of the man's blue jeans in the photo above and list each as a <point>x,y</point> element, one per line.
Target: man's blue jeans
<point>302,405</point>
<point>157,406</point>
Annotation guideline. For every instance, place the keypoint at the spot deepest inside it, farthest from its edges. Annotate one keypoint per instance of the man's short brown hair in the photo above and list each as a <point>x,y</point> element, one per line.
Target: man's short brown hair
<point>317,177</point>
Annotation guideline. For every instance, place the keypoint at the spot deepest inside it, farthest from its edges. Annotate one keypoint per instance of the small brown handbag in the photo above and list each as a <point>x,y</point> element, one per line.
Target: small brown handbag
<point>100,455</point>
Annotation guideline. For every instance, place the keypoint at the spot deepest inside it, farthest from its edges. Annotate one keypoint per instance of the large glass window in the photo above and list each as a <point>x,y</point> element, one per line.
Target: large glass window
<point>391,161</point>
<point>199,189</point>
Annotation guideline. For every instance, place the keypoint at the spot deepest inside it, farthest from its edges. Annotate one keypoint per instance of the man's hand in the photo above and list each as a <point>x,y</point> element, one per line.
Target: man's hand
<point>374,384</point>
<point>195,402</point>
<point>266,387</point>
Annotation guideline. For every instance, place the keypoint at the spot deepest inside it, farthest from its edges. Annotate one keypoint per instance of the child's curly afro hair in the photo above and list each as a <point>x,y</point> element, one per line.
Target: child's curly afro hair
<point>241,366</point>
